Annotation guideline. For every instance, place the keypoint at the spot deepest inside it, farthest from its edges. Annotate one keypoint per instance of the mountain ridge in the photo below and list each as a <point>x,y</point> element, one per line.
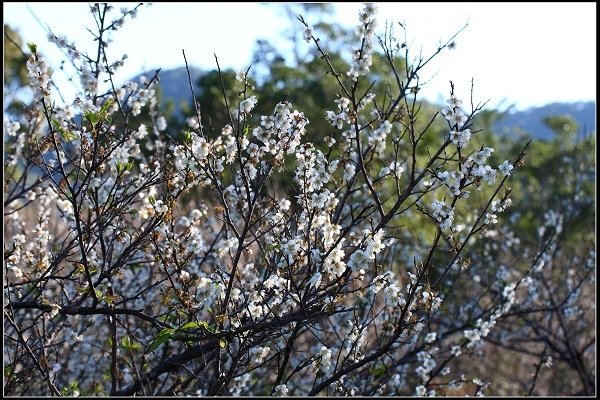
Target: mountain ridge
<point>174,84</point>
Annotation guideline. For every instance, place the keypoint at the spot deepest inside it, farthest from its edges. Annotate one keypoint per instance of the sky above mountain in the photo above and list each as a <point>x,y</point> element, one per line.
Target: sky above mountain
<point>521,54</point>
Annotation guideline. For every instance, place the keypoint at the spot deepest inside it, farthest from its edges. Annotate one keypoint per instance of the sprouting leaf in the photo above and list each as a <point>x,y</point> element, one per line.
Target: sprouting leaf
<point>82,289</point>
<point>32,47</point>
<point>378,371</point>
<point>161,338</point>
<point>110,299</point>
<point>129,344</point>
<point>66,135</point>
<point>152,199</point>
<point>192,325</point>
<point>222,343</point>
<point>91,116</point>
<point>273,247</point>
<point>104,109</point>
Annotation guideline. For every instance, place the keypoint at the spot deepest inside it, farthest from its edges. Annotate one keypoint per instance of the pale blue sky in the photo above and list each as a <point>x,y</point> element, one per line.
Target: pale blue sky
<point>527,54</point>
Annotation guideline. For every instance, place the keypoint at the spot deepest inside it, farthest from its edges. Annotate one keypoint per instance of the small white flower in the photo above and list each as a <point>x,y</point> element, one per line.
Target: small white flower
<point>323,360</point>
<point>308,33</point>
<point>258,354</point>
<point>184,275</point>
<point>240,76</point>
<point>285,204</point>
<point>281,390</point>
<point>430,338</point>
<point>54,311</point>
<point>455,351</point>
<point>505,168</point>
<point>160,206</point>
<point>161,123</point>
<point>248,104</point>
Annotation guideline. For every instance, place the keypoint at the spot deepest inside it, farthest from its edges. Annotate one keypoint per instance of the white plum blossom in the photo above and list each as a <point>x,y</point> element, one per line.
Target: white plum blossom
<point>505,168</point>
<point>349,171</point>
<point>430,338</point>
<point>55,308</point>
<point>308,33</point>
<point>281,390</point>
<point>245,107</point>
<point>460,138</point>
<point>285,204</point>
<point>240,76</point>
<point>361,58</point>
<point>38,75</point>
<point>258,354</point>
<point>323,360</point>
<point>161,123</point>
<point>456,118</point>
<point>443,213</point>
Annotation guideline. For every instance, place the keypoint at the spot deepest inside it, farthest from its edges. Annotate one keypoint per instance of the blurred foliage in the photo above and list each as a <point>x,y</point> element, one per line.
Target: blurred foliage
<point>15,70</point>
<point>15,59</point>
<point>554,170</point>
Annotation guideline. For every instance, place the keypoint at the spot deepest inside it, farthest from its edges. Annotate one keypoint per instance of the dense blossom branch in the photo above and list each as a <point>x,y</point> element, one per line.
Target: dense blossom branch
<point>377,256</point>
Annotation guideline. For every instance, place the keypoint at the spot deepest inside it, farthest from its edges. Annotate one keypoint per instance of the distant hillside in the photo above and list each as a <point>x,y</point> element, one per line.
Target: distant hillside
<point>175,86</point>
<point>530,122</point>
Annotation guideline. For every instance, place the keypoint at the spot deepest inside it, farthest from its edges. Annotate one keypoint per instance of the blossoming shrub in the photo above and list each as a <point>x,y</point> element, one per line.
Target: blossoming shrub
<point>140,264</point>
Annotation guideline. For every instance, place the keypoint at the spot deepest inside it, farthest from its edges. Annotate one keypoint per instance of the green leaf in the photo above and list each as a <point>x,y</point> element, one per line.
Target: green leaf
<point>107,104</point>
<point>66,135</point>
<point>111,299</point>
<point>129,344</point>
<point>379,371</point>
<point>192,325</point>
<point>93,117</point>
<point>273,247</point>
<point>32,47</point>
<point>161,338</point>
<point>222,343</point>
<point>152,199</point>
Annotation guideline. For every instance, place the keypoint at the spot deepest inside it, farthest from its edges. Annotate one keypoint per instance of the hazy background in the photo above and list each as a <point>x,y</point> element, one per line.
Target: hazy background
<point>521,54</point>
